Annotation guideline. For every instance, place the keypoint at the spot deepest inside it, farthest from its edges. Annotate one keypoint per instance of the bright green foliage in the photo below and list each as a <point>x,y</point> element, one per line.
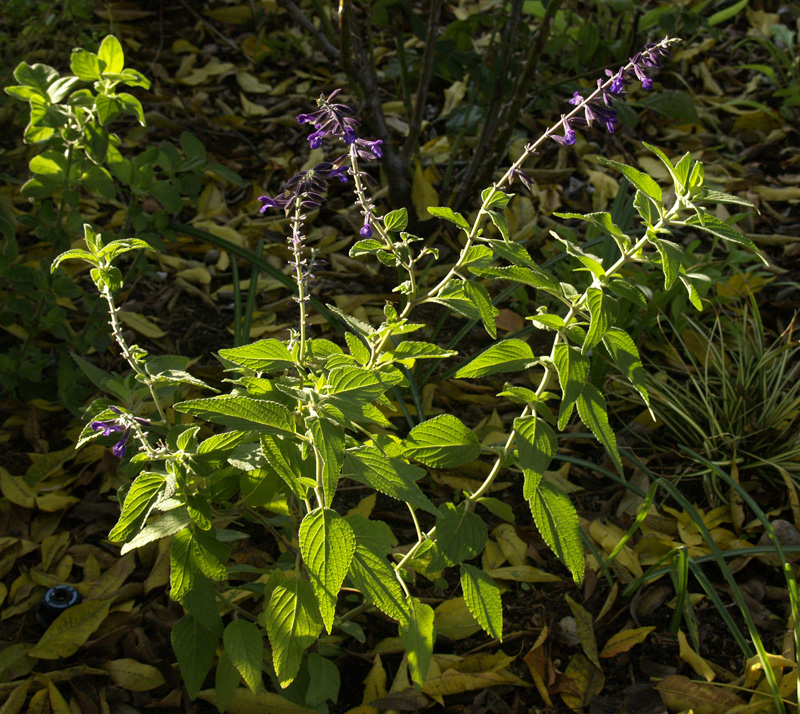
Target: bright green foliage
<point>442,442</point>
<point>557,520</point>
<point>327,544</point>
<point>293,624</point>
<point>244,645</point>
<point>506,356</point>
<point>460,535</point>
<point>483,600</point>
<point>418,634</point>
<point>194,647</point>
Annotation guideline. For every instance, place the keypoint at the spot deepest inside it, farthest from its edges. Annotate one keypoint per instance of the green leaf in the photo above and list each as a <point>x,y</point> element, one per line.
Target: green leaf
<point>460,535</point>
<point>376,536</point>
<point>494,198</point>
<point>49,163</point>
<point>671,258</point>
<point>443,443</point>
<point>593,413</point>
<point>194,552</point>
<point>557,521</point>
<point>358,385</point>
<point>573,370</point>
<point>536,447</point>
<point>111,54</point>
<point>194,151</point>
<point>263,356</point>
<point>167,195</point>
<point>389,475</point>
<point>603,310</point>
<point>140,500</point>
<point>108,109</point>
<point>95,142</point>
<point>194,648</point>
<point>131,105</point>
<point>241,412</point>
<point>357,348</point>
<point>284,456</point>
<point>293,624</point>
<point>682,169</point>
<point>483,600</point>
<point>626,359</point>
<point>640,180</point>
<point>534,278</point>
<point>604,223</point>
<point>329,444</point>
<point>368,246</point>
<point>244,644</point>
<point>324,680</point>
<point>161,527</point>
<point>664,160</point>
<point>115,248</point>
<point>85,65</point>
<point>449,214</point>
<point>227,174</point>
<point>694,298</point>
<point>38,76</point>
<point>226,681</point>
<point>418,635</point>
<point>371,573</point>
<point>97,180</point>
<point>720,197</point>
<point>645,208</point>
<point>510,355</point>
<point>327,544</point>
<point>480,298</point>
<point>74,254</point>
<point>420,350</point>
<point>201,603</point>
<point>396,221</point>
<point>711,224</point>
<point>500,222</point>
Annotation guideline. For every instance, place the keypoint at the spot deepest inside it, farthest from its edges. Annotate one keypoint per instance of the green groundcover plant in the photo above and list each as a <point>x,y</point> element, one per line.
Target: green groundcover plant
<point>299,416</point>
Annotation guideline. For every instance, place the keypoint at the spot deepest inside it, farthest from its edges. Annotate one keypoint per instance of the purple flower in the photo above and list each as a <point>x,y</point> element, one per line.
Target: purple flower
<point>108,427</point>
<point>366,229</point>
<point>268,203</point>
<point>117,426</point>
<point>369,149</point>
<point>569,135</point>
<point>577,98</point>
<point>331,120</point>
<point>619,82</point>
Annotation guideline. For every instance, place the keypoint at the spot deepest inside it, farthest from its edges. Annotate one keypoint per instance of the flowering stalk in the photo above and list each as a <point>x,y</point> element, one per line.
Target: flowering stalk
<point>592,109</point>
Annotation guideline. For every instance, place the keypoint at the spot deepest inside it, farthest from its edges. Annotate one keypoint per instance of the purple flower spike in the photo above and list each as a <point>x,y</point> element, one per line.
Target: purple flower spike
<point>366,230</point>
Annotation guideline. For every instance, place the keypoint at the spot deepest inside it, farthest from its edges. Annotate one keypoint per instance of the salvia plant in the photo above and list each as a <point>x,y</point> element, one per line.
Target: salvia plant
<point>303,414</point>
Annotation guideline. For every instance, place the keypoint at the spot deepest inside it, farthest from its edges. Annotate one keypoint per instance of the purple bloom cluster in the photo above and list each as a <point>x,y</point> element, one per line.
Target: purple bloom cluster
<point>332,120</point>
<point>115,425</point>
<point>598,108</point>
<point>335,120</point>
<point>305,189</point>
